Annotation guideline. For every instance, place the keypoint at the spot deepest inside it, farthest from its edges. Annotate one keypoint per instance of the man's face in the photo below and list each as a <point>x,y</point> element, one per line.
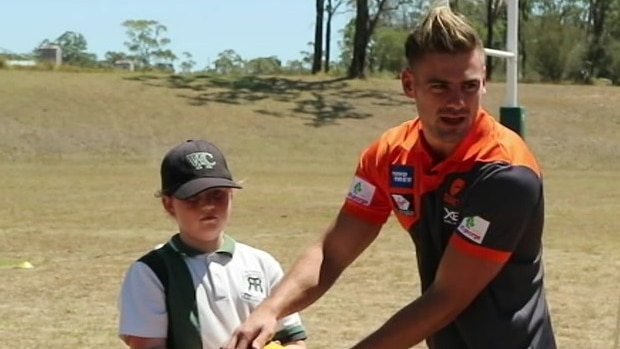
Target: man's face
<point>447,89</point>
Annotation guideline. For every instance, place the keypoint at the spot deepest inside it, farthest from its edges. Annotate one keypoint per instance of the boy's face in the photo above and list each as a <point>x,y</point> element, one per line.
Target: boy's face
<point>202,217</point>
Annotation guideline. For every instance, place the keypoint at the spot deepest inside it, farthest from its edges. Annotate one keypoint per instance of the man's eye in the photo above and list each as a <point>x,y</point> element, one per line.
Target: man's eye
<point>471,86</point>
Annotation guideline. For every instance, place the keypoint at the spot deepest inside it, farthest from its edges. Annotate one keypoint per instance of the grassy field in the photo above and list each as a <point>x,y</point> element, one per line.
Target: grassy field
<point>79,157</point>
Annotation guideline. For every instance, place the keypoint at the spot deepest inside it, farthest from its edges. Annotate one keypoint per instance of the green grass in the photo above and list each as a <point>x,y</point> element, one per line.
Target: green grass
<point>5,263</point>
<point>79,157</point>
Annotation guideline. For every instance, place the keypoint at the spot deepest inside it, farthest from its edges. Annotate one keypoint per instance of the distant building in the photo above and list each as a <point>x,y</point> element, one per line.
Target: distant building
<point>125,65</point>
<point>19,63</point>
<point>50,53</point>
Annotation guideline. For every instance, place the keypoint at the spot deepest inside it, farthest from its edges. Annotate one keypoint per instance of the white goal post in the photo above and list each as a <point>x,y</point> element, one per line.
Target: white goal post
<point>510,114</point>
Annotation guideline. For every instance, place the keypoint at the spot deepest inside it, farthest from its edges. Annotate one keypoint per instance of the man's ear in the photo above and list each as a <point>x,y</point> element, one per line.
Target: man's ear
<point>483,87</point>
<point>166,202</point>
<point>407,81</point>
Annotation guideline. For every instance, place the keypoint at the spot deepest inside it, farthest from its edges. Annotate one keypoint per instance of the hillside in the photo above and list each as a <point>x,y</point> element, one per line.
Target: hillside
<point>52,115</point>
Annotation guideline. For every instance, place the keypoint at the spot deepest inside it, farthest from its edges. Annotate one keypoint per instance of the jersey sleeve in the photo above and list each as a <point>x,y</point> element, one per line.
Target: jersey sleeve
<point>142,304</point>
<point>367,198</point>
<point>290,328</point>
<point>498,211</point>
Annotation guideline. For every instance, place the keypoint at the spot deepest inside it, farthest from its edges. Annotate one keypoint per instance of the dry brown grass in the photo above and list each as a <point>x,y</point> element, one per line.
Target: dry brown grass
<point>79,165</point>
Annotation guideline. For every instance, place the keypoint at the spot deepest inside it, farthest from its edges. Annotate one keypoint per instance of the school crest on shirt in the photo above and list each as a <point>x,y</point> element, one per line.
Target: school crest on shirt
<point>253,286</point>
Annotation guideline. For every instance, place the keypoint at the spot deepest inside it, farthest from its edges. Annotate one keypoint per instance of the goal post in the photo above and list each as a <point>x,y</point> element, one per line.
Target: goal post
<point>511,114</point>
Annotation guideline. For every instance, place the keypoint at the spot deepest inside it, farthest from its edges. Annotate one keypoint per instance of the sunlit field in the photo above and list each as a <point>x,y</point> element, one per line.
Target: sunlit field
<point>79,162</point>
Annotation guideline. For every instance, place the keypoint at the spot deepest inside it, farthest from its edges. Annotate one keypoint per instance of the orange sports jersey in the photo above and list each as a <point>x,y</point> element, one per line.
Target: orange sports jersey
<point>486,199</point>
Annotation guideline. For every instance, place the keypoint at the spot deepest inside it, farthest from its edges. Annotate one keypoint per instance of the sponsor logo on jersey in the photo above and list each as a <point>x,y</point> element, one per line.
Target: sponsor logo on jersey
<point>361,191</point>
<point>474,228</point>
<point>451,197</point>
<point>401,176</point>
<point>404,203</point>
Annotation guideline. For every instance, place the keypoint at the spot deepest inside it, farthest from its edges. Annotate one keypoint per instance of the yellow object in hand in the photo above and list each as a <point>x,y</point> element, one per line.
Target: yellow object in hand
<point>273,345</point>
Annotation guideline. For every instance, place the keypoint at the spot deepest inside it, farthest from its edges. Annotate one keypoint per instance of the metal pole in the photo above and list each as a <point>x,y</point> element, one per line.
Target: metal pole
<point>512,46</point>
<point>498,53</point>
<point>511,114</point>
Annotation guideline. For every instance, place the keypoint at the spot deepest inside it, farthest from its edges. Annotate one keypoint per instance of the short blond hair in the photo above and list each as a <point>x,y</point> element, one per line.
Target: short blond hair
<point>441,31</point>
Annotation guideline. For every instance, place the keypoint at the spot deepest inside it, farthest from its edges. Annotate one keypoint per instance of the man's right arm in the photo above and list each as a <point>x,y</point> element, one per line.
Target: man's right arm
<point>320,265</point>
<point>314,272</point>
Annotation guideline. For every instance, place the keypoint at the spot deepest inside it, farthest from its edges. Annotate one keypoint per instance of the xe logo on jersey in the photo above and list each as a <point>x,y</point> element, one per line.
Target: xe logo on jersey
<point>450,217</point>
<point>401,176</point>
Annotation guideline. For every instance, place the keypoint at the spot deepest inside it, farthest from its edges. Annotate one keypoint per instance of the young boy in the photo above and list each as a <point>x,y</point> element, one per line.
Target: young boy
<point>192,292</point>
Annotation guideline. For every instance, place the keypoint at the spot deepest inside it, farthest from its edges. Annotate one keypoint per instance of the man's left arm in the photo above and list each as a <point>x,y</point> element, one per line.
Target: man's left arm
<point>496,218</point>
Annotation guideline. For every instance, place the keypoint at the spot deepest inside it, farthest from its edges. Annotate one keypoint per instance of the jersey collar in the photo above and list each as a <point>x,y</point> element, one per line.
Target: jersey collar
<point>480,128</point>
<point>228,246</point>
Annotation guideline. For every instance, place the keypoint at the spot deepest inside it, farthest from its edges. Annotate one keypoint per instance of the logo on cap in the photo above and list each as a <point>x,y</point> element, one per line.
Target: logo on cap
<point>201,160</point>
<point>194,166</point>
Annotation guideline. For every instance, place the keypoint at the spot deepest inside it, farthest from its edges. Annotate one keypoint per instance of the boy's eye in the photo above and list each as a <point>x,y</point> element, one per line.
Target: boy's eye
<point>217,194</point>
<point>193,199</point>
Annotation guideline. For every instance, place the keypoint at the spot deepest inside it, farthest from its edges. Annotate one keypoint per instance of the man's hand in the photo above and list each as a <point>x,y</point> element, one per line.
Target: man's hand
<point>255,332</point>
<point>311,276</point>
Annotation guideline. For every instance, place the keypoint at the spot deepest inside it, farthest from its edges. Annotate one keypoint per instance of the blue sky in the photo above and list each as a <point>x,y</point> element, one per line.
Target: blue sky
<point>204,28</point>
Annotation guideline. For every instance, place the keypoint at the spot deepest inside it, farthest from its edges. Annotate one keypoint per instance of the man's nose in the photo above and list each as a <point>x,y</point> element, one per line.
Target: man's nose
<point>456,99</point>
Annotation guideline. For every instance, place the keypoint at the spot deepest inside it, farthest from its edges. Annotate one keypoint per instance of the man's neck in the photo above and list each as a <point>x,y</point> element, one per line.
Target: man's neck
<point>437,150</point>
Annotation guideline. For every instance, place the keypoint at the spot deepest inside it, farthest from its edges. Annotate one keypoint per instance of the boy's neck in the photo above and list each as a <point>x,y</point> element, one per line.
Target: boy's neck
<point>204,246</point>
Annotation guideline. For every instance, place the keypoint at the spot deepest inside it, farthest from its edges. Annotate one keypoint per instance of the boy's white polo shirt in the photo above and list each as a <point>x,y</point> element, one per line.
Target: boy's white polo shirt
<point>229,284</point>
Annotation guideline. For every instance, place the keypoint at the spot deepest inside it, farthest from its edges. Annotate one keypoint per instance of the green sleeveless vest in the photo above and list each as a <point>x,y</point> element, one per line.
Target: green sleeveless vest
<point>169,265</point>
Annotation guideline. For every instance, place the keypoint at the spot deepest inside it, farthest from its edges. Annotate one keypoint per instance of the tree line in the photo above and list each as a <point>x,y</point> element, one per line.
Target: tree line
<point>559,40</point>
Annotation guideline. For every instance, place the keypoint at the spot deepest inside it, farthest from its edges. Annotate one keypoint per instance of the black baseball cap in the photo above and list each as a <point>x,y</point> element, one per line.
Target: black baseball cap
<point>192,167</point>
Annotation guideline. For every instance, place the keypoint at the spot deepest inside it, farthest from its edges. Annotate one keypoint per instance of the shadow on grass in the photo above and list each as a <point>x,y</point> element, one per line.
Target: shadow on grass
<point>324,101</point>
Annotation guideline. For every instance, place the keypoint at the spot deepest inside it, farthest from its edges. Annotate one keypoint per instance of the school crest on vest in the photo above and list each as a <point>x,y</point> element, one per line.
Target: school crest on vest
<point>254,286</point>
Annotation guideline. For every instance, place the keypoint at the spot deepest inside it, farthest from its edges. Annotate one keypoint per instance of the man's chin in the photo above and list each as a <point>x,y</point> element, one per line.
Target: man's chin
<point>452,136</point>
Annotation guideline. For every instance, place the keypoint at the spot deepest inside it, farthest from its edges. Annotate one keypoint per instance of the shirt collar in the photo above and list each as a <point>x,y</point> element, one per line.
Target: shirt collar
<point>177,244</point>
<point>480,128</point>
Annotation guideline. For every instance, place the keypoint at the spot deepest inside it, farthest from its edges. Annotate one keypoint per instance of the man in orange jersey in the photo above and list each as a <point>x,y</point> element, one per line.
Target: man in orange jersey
<point>470,194</point>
